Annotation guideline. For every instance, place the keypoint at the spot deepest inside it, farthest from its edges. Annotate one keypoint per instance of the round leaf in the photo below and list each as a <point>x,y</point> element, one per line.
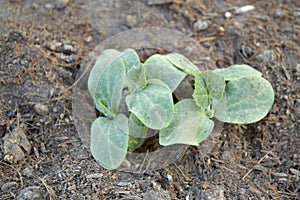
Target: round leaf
<point>190,125</point>
<point>152,104</point>
<point>109,141</point>
<point>158,67</point>
<point>106,81</point>
<point>102,63</point>
<point>246,100</point>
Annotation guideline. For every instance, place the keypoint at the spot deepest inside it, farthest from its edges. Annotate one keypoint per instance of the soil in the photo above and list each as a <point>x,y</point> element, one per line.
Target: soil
<point>42,46</point>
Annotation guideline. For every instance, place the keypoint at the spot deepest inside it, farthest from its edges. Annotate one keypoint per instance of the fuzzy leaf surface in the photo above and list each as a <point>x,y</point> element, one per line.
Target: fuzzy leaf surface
<point>237,71</point>
<point>106,81</point>
<point>246,100</point>
<point>137,133</point>
<point>201,93</point>
<point>183,63</point>
<point>135,71</point>
<point>109,141</point>
<point>152,104</point>
<point>190,125</point>
<point>158,67</point>
<point>208,85</point>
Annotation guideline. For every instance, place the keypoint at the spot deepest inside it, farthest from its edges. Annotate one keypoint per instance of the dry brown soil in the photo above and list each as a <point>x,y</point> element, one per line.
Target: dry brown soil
<point>42,46</point>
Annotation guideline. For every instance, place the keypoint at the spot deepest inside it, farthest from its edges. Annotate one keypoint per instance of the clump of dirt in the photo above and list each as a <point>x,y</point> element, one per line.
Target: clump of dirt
<point>15,145</point>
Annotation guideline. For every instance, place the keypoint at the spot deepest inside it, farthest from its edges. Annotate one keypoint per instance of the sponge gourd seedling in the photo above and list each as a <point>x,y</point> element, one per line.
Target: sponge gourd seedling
<point>237,94</point>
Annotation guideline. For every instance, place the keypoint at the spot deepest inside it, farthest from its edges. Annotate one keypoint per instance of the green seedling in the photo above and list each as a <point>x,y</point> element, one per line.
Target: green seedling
<point>237,94</point>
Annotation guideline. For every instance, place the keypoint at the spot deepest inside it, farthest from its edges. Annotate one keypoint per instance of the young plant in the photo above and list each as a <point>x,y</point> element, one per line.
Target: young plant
<point>237,94</point>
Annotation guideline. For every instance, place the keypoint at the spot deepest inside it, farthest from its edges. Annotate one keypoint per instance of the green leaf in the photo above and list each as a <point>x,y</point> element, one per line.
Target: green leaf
<point>102,63</point>
<point>134,69</point>
<point>201,93</point>
<point>158,67</point>
<point>237,71</point>
<point>102,106</point>
<point>152,104</point>
<point>137,133</point>
<point>190,125</point>
<point>109,141</point>
<point>183,63</point>
<point>208,85</point>
<point>136,76</point>
<point>130,59</point>
<point>246,100</point>
<point>106,81</point>
<point>215,84</point>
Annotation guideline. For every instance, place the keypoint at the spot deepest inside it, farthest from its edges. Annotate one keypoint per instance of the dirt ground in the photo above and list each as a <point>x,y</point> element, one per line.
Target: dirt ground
<point>42,46</point>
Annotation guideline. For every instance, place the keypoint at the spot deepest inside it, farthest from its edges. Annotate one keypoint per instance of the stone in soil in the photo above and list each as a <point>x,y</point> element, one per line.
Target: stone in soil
<point>16,145</point>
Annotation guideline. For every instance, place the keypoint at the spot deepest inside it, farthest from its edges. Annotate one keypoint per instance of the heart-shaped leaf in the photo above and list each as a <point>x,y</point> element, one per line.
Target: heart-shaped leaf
<point>183,63</point>
<point>190,125</point>
<point>136,76</point>
<point>152,104</point>
<point>109,141</point>
<point>102,63</point>
<point>246,100</point>
<point>106,81</point>
<point>158,67</point>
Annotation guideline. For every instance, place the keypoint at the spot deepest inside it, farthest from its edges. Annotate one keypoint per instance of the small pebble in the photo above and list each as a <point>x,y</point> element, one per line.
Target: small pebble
<point>72,187</point>
<point>55,109</point>
<point>41,109</point>
<point>71,117</point>
<point>283,179</point>
<point>260,168</point>
<point>68,49</point>
<point>201,25</point>
<point>53,45</point>
<point>158,2</point>
<point>36,152</point>
<point>221,28</point>
<point>124,184</point>
<point>15,145</point>
<point>131,20</point>
<point>27,172</point>
<point>295,171</point>
<point>280,174</point>
<point>170,178</point>
<point>61,4</point>
<point>298,68</point>
<point>88,39</point>
<point>228,14</point>
<point>70,59</point>
<point>49,6</point>
<point>94,176</point>
<point>43,148</point>
<point>7,186</point>
<point>244,9</point>
<point>32,192</point>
